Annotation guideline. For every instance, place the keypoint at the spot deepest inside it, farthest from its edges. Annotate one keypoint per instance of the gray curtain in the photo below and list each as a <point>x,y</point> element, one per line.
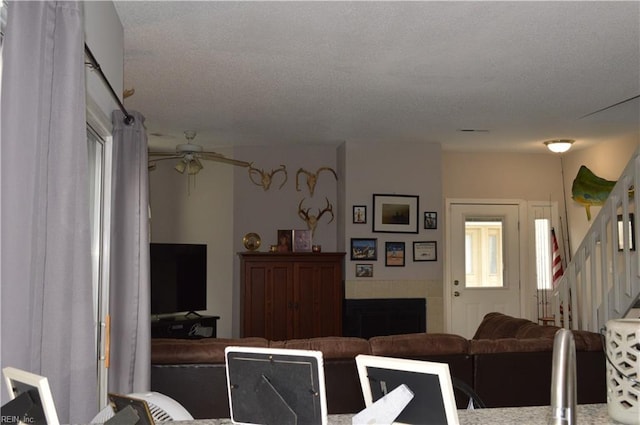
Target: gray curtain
<point>129,297</point>
<point>47,319</point>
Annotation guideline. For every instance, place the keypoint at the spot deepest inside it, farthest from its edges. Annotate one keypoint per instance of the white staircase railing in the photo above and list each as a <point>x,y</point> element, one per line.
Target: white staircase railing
<point>601,282</point>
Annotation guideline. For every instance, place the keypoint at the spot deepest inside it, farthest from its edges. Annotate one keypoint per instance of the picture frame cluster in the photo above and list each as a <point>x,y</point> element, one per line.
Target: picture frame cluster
<point>296,240</point>
<point>392,213</point>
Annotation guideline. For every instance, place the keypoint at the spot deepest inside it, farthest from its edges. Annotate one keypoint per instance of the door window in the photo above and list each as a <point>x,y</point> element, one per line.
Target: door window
<point>483,253</point>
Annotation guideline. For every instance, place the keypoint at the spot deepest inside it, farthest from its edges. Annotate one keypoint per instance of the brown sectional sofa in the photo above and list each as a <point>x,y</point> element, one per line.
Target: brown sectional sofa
<point>513,357</point>
<point>507,363</point>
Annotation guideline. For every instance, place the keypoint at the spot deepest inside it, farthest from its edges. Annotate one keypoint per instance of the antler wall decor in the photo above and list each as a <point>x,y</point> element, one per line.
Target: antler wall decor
<point>312,178</point>
<point>266,178</point>
<point>312,220</point>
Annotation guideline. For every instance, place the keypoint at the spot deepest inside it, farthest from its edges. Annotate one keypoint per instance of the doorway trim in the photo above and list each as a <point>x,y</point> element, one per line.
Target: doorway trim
<point>523,252</point>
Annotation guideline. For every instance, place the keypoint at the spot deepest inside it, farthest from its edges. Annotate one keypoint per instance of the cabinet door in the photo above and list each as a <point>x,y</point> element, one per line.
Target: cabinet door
<point>279,317</point>
<point>317,300</point>
<point>267,290</point>
<point>305,301</point>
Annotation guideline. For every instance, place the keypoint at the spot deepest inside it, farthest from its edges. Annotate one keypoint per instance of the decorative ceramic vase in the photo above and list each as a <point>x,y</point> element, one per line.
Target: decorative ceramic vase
<point>623,370</point>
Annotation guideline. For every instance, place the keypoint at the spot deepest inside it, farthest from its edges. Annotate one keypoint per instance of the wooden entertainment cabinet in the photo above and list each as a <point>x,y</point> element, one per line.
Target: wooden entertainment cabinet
<point>291,295</point>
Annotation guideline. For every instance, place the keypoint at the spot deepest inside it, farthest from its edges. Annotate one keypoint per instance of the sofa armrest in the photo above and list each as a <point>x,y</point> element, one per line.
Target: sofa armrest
<point>498,325</point>
<point>588,341</point>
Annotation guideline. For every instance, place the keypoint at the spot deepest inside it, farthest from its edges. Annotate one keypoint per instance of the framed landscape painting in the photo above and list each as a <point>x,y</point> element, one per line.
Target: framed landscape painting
<point>395,213</point>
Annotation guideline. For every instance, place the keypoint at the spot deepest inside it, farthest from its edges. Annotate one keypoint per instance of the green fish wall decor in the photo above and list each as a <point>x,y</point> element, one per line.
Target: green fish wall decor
<point>589,189</point>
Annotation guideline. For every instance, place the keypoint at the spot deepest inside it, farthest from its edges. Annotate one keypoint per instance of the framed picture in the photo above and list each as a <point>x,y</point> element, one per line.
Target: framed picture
<point>359,214</point>
<point>302,241</point>
<point>364,270</point>
<point>394,254</point>
<point>395,213</point>
<point>425,251</point>
<point>142,413</point>
<point>32,391</point>
<point>284,241</point>
<point>430,220</point>
<point>364,249</point>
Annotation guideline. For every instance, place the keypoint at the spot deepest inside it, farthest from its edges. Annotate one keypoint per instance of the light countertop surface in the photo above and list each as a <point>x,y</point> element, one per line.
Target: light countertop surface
<point>587,414</point>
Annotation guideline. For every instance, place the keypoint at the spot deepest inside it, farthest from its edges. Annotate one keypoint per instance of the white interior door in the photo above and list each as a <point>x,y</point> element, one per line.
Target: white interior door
<point>484,263</point>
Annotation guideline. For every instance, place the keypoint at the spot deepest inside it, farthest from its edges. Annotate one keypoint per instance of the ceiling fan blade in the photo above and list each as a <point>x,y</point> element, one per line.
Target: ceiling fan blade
<point>611,106</point>
<point>189,154</point>
<point>174,156</point>
<point>170,154</point>
<point>213,156</point>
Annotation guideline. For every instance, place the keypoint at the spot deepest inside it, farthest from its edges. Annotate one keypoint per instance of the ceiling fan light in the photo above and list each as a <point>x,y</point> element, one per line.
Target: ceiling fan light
<point>194,166</point>
<point>181,166</point>
<point>559,146</point>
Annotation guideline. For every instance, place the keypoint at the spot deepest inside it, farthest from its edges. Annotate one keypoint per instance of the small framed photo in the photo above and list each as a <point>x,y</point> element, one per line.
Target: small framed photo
<point>430,220</point>
<point>360,214</point>
<point>425,251</point>
<point>364,249</point>
<point>394,254</point>
<point>364,270</point>
<point>302,241</point>
<point>284,241</point>
<point>395,213</point>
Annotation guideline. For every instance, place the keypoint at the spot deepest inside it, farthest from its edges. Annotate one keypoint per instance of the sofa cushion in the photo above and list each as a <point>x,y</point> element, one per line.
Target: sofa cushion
<point>510,345</point>
<point>332,347</point>
<point>419,344</point>
<point>192,351</point>
<point>497,325</point>
<point>533,330</point>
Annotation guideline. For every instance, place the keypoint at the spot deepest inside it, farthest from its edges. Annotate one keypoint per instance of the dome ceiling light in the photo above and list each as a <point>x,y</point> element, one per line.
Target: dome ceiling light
<point>559,146</point>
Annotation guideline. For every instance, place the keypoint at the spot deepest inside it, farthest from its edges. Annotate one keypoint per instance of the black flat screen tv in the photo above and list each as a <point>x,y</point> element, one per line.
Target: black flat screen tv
<point>178,278</point>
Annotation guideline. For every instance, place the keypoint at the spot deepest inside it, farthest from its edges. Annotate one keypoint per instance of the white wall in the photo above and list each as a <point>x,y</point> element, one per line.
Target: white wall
<point>501,176</point>
<point>407,169</point>
<point>526,177</point>
<point>199,211</point>
<point>266,211</point>
<point>105,37</point>
<point>412,169</point>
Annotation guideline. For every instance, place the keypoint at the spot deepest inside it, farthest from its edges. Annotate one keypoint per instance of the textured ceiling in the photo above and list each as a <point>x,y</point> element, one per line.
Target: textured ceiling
<point>257,73</point>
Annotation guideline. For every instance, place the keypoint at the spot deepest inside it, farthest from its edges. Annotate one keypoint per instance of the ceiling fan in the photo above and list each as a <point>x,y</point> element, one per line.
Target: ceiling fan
<point>189,155</point>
